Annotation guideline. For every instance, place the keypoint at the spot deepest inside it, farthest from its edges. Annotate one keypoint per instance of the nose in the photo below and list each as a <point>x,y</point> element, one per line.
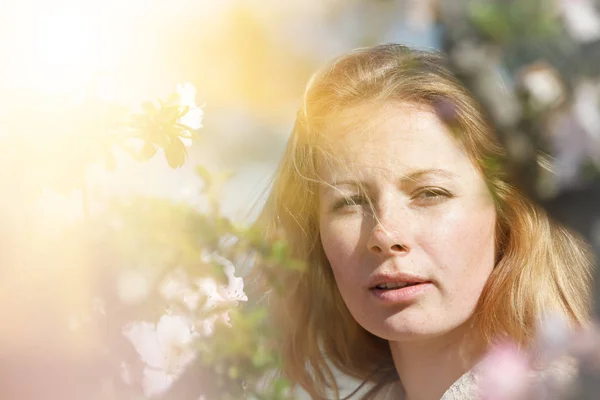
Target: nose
<point>386,242</point>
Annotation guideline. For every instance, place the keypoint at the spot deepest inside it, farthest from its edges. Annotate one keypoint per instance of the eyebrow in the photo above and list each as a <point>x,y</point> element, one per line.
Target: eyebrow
<point>424,172</point>
<point>413,176</point>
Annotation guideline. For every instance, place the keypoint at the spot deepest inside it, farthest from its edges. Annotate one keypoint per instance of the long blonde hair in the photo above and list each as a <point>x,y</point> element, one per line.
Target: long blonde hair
<point>541,267</point>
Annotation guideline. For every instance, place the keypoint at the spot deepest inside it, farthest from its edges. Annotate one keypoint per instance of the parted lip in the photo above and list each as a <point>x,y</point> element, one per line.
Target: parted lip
<point>395,277</point>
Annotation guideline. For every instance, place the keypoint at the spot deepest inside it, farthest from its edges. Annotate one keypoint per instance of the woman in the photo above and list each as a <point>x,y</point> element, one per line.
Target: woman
<point>420,254</point>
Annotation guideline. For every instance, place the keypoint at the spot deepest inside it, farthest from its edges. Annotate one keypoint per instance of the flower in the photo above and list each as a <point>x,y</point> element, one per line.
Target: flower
<point>193,117</point>
<point>178,287</point>
<point>234,291</point>
<point>581,18</point>
<point>504,373</point>
<point>543,84</point>
<point>219,295</point>
<point>574,135</point>
<point>165,348</point>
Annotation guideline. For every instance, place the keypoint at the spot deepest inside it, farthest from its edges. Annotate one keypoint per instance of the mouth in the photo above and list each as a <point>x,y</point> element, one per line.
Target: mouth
<point>395,285</point>
<point>403,291</point>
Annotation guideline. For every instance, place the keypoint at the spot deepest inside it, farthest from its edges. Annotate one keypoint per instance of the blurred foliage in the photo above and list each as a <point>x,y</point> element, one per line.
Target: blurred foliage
<point>236,360</point>
<point>115,261</point>
<point>508,22</point>
<point>533,66</point>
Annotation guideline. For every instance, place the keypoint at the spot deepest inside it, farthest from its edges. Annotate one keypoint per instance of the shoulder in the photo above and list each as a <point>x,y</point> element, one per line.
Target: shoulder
<point>393,391</point>
<point>557,377</point>
<point>465,388</point>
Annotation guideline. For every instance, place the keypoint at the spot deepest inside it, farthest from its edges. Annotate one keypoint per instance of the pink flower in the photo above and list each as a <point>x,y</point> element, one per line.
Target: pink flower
<point>165,348</point>
<point>503,373</point>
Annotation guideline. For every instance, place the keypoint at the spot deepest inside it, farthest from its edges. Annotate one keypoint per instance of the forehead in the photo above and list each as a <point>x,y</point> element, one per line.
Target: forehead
<point>391,135</point>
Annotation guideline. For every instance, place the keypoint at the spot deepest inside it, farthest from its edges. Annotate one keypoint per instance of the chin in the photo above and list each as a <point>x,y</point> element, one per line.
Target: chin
<point>409,328</point>
<point>406,333</point>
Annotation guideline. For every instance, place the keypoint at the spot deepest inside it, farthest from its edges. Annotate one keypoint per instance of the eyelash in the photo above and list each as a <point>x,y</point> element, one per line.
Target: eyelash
<point>437,195</point>
<point>349,201</point>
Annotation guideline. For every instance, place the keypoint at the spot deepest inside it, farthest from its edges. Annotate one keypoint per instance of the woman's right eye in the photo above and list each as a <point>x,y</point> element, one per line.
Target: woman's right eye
<point>349,201</point>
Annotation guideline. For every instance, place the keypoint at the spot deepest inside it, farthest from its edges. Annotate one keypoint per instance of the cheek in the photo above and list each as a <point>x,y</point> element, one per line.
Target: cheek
<point>340,240</point>
<point>464,244</point>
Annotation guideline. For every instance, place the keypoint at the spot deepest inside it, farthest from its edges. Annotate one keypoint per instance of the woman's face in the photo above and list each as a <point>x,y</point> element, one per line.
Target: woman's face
<point>414,265</point>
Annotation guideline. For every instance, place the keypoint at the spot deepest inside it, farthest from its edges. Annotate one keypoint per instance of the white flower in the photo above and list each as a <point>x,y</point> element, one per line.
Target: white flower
<point>193,118</point>
<point>586,109</point>
<point>165,349</point>
<point>177,287</point>
<point>219,295</point>
<point>187,95</point>
<point>575,135</point>
<point>581,19</point>
<point>543,85</point>
<point>234,291</point>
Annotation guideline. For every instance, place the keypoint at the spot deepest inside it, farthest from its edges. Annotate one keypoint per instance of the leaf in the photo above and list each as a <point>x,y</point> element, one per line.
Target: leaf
<point>169,114</point>
<point>174,98</point>
<point>204,174</point>
<point>147,152</point>
<point>149,108</point>
<point>176,153</point>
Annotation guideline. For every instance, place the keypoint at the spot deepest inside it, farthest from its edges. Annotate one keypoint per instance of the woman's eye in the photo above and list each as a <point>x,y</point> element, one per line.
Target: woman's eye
<point>349,201</point>
<point>431,195</point>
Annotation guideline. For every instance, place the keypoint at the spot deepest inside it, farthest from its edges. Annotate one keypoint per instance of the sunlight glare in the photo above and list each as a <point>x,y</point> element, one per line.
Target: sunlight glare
<point>64,50</point>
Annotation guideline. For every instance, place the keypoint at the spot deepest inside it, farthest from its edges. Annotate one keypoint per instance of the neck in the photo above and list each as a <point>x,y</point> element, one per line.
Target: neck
<point>429,367</point>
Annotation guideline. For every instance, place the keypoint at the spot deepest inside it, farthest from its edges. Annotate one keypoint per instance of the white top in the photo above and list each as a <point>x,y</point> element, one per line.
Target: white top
<point>556,377</point>
<point>464,388</point>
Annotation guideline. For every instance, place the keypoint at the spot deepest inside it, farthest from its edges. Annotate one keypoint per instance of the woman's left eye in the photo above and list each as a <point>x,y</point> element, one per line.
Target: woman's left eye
<point>431,194</point>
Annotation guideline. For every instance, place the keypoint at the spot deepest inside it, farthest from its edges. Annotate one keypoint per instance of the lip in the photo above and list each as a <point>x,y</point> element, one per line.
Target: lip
<point>401,295</point>
<point>397,277</point>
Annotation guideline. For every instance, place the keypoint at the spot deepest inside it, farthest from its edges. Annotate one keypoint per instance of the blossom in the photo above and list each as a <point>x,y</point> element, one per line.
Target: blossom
<point>574,135</point>
<point>504,373</point>
<point>581,18</point>
<point>217,295</point>
<point>165,348</point>
<point>193,117</point>
<point>234,291</point>
<point>543,84</point>
<point>177,286</point>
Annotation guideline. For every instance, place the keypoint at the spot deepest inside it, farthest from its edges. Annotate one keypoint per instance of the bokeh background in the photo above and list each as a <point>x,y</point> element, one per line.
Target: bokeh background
<point>84,249</point>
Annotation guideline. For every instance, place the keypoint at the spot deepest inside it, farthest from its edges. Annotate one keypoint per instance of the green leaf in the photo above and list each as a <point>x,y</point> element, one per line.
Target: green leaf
<point>147,152</point>
<point>176,153</point>
<point>149,108</point>
<point>174,98</point>
<point>204,174</point>
<point>169,114</point>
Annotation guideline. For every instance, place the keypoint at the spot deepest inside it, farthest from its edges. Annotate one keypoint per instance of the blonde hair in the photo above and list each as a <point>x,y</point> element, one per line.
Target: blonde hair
<point>541,267</point>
